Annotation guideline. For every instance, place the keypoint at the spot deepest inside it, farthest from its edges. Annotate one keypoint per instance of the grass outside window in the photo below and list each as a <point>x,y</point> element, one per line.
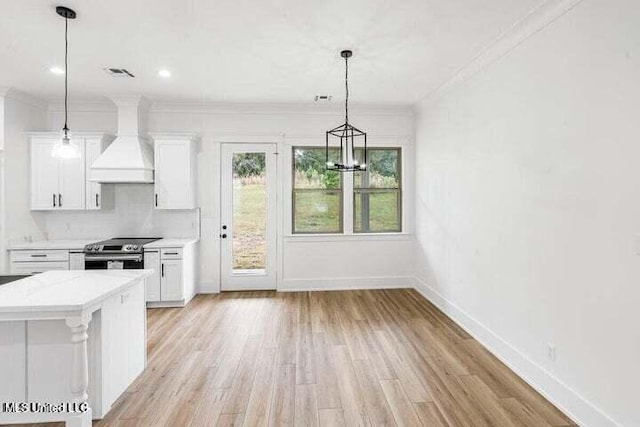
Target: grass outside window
<point>317,193</point>
<point>377,192</point>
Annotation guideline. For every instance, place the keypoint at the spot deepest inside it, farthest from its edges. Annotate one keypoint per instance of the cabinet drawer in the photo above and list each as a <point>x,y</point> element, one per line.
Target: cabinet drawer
<point>37,267</point>
<point>45,255</point>
<point>171,253</point>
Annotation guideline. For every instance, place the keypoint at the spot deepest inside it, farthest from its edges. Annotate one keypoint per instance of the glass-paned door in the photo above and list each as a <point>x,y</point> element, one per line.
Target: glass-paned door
<point>248,217</point>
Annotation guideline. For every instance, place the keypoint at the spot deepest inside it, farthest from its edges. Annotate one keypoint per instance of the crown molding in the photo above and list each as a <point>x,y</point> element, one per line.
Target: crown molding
<point>278,109</point>
<point>23,97</point>
<point>221,108</point>
<point>84,106</point>
<point>535,21</point>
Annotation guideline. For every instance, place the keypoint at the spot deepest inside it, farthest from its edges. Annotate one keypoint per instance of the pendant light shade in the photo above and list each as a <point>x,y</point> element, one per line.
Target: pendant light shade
<point>65,149</point>
<point>350,140</point>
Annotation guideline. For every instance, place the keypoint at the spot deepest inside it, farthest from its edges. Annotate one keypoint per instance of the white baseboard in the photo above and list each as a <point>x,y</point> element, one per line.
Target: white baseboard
<point>346,283</point>
<point>208,288</point>
<point>166,304</point>
<point>584,413</point>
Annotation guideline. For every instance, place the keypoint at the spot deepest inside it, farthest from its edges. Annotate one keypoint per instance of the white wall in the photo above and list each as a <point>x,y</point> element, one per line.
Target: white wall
<point>528,208</point>
<point>21,114</point>
<point>132,215</point>
<point>305,263</point>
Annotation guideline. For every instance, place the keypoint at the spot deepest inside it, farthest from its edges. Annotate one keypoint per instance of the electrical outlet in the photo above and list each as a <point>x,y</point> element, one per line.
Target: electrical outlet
<point>551,351</point>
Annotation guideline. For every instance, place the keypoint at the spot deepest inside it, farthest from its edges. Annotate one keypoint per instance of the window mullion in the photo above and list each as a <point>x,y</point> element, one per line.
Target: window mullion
<point>347,207</point>
<point>364,203</point>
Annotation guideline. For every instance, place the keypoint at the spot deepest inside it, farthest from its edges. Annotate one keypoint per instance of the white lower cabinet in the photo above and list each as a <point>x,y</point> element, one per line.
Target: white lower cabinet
<point>152,262</point>
<point>173,282</point>
<point>124,324</point>
<point>76,261</point>
<point>26,268</point>
<point>38,261</point>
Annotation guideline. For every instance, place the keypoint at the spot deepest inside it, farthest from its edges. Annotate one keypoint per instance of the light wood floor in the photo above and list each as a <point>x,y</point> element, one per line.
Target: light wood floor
<point>384,357</point>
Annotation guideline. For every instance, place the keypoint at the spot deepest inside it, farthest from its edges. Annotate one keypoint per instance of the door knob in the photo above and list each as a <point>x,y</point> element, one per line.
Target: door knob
<point>224,236</point>
<point>224,227</point>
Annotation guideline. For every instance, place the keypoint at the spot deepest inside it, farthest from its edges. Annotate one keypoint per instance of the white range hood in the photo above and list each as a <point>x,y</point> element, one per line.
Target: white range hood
<point>129,159</point>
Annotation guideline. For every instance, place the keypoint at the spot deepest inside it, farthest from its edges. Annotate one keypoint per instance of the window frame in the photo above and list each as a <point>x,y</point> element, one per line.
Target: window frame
<point>402,144</point>
<point>399,191</point>
<point>340,191</point>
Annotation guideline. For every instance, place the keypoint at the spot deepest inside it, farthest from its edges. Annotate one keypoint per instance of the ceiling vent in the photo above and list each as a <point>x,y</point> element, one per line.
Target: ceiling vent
<point>118,72</point>
<point>323,98</point>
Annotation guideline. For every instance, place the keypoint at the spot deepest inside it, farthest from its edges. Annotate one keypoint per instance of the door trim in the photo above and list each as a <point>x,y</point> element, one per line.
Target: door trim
<point>272,268</point>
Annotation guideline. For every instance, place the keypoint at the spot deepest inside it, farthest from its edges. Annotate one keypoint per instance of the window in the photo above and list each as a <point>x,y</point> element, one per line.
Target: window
<point>377,196</point>
<point>317,193</point>
<point>317,199</point>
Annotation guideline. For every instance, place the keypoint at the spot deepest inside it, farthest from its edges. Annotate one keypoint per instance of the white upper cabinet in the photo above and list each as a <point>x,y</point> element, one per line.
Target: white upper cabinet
<point>45,171</point>
<point>55,184</point>
<point>72,181</point>
<point>62,184</point>
<point>175,171</point>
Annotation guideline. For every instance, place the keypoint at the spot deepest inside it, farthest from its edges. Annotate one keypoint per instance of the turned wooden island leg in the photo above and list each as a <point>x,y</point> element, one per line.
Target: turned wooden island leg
<point>80,370</point>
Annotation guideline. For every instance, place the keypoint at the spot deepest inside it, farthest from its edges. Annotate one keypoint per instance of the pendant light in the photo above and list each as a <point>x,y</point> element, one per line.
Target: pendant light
<point>65,149</point>
<point>346,135</point>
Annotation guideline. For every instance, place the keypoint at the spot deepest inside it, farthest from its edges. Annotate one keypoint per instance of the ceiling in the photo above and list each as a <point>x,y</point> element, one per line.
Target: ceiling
<point>249,50</point>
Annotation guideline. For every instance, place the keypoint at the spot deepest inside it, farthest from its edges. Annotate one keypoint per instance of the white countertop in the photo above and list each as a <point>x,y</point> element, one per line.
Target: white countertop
<point>63,291</point>
<point>171,243</point>
<point>79,244</point>
<point>53,244</point>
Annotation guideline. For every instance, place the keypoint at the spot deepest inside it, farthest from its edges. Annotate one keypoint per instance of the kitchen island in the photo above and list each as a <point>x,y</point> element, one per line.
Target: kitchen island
<point>70,341</point>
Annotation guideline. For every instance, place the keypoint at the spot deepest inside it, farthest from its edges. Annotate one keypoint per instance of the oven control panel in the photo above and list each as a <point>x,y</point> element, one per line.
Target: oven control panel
<point>112,248</point>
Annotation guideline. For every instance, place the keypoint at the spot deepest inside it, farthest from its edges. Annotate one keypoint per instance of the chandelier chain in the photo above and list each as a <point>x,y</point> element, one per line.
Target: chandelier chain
<point>346,84</point>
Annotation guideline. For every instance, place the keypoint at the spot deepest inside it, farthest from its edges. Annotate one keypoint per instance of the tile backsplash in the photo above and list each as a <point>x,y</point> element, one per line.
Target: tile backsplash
<point>133,215</point>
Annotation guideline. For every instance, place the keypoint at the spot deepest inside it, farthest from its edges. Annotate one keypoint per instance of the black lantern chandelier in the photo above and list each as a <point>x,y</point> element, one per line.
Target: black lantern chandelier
<point>347,135</point>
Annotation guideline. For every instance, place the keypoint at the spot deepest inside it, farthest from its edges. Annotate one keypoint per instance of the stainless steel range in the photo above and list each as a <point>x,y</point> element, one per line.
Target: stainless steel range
<point>116,254</point>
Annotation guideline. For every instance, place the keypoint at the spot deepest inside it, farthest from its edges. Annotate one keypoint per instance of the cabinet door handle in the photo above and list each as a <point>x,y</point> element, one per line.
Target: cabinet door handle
<point>156,200</point>
<point>162,273</point>
<point>171,253</point>
<point>54,200</point>
<point>60,199</point>
<point>38,255</point>
<point>97,200</point>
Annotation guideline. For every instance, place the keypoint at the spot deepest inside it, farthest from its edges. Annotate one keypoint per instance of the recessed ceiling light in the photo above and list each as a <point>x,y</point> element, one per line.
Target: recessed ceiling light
<point>164,73</point>
<point>56,70</point>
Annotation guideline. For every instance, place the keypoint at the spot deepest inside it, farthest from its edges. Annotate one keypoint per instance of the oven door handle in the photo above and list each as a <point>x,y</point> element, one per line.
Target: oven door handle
<point>89,258</point>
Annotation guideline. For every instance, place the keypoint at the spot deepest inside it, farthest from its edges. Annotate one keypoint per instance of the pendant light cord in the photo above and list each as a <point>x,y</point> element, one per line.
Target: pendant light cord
<point>346,84</point>
<point>66,71</point>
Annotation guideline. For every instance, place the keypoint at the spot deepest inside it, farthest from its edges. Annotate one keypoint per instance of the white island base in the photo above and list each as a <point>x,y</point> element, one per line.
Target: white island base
<point>70,337</point>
